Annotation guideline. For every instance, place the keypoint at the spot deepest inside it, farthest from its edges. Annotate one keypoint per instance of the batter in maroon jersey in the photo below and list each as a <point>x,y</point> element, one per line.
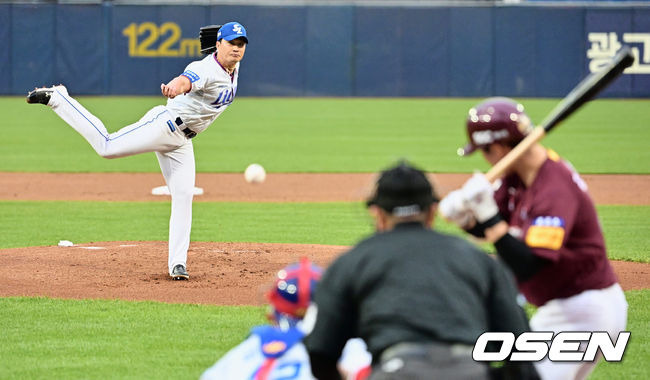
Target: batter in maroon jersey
<point>544,226</point>
<point>557,220</point>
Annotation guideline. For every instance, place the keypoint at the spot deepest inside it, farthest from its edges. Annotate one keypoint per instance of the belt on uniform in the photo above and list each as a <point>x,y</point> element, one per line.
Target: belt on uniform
<point>188,132</point>
<point>424,350</point>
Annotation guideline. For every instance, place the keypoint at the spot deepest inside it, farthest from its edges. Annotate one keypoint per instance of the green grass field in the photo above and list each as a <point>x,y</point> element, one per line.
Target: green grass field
<point>335,223</point>
<point>101,339</point>
<point>327,135</point>
<point>97,339</point>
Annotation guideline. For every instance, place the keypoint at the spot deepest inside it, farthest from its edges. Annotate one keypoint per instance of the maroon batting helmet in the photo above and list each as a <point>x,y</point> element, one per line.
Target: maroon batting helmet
<point>495,120</point>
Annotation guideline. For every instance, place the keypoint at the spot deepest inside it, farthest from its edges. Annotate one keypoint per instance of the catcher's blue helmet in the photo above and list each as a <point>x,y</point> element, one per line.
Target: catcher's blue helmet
<point>293,291</point>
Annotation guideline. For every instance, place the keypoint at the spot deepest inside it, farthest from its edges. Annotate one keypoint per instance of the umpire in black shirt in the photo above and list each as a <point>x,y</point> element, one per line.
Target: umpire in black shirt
<point>417,297</point>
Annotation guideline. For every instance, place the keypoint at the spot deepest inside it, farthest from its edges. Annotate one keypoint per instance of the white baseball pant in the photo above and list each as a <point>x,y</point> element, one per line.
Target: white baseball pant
<point>155,132</point>
<point>591,310</point>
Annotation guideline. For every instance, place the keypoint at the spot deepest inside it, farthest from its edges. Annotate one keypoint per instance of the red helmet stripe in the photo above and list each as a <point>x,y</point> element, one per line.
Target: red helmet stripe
<point>302,276</point>
<point>304,279</point>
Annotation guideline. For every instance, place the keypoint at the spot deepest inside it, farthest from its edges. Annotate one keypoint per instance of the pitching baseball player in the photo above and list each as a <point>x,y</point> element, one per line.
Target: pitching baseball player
<point>195,99</point>
<point>544,225</point>
<point>276,351</point>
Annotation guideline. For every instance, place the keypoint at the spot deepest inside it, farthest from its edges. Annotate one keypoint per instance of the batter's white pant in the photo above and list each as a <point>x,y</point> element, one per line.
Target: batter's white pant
<point>156,132</point>
<point>591,310</point>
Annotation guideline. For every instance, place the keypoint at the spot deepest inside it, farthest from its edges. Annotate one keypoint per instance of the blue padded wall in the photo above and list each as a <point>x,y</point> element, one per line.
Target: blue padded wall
<point>6,43</point>
<point>33,60</point>
<point>519,51</point>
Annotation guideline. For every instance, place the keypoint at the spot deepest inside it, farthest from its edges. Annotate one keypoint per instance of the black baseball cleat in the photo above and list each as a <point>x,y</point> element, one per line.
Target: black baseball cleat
<point>179,273</point>
<point>40,95</point>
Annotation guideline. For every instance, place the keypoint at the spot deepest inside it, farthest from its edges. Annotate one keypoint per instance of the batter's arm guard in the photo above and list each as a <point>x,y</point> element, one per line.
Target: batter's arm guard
<point>208,38</point>
<point>523,262</point>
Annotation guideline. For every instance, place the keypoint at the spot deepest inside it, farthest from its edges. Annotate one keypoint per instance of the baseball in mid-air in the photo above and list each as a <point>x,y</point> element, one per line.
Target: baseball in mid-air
<point>255,173</point>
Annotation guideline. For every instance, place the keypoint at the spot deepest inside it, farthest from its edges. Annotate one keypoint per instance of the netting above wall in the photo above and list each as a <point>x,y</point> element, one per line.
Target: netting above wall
<point>367,3</point>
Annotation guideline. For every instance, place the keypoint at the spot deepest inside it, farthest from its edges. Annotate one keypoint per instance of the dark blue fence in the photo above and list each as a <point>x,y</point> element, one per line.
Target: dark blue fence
<point>328,50</point>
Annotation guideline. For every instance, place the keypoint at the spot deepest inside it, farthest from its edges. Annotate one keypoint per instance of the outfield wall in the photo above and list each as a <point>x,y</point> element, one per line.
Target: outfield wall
<point>519,51</point>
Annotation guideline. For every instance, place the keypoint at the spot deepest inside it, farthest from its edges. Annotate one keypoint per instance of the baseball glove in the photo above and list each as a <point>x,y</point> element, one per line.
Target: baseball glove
<point>208,38</point>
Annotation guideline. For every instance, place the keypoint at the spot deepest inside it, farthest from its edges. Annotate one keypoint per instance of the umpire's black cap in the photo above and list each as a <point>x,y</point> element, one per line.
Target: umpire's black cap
<point>403,190</point>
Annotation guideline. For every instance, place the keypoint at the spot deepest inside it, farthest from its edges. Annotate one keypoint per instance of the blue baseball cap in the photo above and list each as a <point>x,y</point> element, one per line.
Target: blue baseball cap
<point>232,30</point>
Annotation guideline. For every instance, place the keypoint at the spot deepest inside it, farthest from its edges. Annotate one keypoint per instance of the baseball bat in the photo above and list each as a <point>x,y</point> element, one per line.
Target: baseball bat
<point>581,94</point>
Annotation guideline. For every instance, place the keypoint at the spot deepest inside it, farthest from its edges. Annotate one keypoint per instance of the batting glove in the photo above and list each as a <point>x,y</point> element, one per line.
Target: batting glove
<point>453,208</point>
<point>479,198</point>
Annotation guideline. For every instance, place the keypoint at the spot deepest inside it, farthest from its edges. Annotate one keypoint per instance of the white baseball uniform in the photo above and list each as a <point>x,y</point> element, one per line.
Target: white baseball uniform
<point>164,130</point>
<point>270,353</point>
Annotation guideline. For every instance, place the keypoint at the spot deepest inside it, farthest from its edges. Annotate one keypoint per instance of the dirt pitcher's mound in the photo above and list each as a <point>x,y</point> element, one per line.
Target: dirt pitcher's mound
<point>220,273</point>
